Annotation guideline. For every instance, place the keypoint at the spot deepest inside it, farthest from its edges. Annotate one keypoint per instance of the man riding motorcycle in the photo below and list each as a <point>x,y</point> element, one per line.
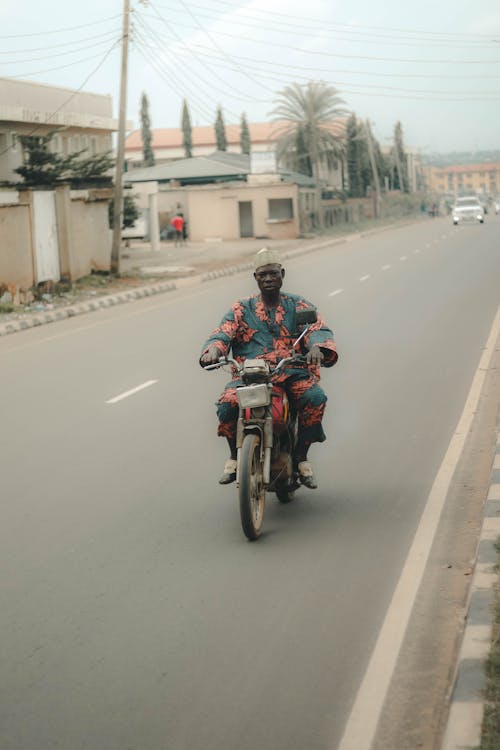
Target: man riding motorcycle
<point>263,326</point>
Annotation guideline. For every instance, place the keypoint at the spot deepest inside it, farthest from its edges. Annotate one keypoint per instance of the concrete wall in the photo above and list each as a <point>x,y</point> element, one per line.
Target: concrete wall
<point>16,255</point>
<point>90,239</point>
<point>83,236</point>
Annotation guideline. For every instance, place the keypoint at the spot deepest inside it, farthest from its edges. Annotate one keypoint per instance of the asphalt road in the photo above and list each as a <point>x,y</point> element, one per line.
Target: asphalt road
<point>134,615</point>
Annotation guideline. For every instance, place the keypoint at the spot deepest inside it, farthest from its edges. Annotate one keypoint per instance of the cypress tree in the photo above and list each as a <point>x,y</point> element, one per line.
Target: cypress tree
<point>400,158</point>
<point>220,131</point>
<point>187,131</point>
<point>245,142</point>
<point>147,138</point>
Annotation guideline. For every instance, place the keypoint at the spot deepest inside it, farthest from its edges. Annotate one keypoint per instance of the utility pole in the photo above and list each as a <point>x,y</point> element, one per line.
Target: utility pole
<point>371,155</point>
<point>120,157</point>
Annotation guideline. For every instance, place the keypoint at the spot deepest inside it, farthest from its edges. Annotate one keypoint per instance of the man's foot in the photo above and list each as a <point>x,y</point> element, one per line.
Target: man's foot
<point>306,475</point>
<point>229,473</point>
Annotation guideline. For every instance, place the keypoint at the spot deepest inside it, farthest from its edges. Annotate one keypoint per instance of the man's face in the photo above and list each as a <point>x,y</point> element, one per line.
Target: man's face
<point>269,278</point>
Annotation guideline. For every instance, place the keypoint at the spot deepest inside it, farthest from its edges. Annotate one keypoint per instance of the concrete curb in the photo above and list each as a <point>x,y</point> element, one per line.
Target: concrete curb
<point>109,300</point>
<point>463,730</point>
<point>100,303</point>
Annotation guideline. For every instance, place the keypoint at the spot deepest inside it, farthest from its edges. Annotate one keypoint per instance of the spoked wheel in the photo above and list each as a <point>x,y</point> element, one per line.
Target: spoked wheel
<point>251,491</point>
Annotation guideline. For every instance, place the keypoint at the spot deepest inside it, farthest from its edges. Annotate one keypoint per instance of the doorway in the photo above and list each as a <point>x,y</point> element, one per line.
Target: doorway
<point>246,218</point>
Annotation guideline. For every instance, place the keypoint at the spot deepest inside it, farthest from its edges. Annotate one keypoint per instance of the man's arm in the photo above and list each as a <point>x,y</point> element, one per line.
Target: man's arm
<point>319,342</point>
<point>219,342</point>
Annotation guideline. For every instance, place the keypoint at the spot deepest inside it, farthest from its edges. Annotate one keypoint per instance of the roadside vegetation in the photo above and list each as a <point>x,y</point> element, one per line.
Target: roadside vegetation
<point>490,735</point>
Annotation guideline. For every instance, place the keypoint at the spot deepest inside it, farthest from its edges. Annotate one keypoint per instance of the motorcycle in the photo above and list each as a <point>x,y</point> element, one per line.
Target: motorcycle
<point>266,433</point>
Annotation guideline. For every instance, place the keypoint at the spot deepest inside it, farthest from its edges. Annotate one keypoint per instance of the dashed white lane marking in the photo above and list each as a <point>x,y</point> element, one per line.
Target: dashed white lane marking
<point>361,726</point>
<point>417,250</point>
<point>364,278</point>
<point>428,244</point>
<point>404,257</point>
<point>337,291</point>
<point>386,267</point>
<point>131,392</point>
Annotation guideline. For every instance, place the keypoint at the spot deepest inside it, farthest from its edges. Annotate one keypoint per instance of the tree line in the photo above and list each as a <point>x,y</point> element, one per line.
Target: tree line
<point>319,134</point>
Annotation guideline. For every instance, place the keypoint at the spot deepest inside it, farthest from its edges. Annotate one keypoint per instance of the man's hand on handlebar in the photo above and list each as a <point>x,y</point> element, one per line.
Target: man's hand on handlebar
<point>210,357</point>
<point>315,356</point>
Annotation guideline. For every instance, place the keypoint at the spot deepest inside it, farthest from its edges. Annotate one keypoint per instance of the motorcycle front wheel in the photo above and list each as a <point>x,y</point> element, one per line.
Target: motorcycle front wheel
<point>252,493</point>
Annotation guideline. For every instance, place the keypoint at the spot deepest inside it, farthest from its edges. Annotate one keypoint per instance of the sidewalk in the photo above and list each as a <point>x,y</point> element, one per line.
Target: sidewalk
<point>199,258</point>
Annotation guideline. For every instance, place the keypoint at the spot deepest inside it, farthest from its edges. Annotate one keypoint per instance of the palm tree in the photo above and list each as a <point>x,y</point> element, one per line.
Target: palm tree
<point>312,112</point>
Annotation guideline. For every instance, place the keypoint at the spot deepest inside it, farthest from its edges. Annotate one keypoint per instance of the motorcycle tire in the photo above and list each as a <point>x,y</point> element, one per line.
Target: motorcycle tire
<point>252,493</point>
<point>284,493</point>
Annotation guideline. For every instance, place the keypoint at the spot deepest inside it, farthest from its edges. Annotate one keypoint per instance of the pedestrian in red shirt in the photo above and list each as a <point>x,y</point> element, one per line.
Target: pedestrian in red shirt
<point>178,224</point>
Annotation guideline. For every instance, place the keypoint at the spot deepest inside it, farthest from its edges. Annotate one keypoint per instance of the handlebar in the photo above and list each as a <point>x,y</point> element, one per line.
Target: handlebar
<point>298,358</point>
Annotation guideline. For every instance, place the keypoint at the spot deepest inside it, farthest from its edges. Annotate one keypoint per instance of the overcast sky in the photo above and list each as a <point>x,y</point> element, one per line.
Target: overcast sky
<point>435,66</point>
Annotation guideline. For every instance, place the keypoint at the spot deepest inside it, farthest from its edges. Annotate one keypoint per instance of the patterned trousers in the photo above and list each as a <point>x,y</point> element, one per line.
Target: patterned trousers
<point>306,397</point>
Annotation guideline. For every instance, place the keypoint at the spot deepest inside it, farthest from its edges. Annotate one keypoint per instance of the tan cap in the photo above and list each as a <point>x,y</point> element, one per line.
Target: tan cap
<point>266,257</point>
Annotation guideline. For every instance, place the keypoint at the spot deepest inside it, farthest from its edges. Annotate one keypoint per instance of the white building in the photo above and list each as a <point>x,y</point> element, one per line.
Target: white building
<point>82,121</point>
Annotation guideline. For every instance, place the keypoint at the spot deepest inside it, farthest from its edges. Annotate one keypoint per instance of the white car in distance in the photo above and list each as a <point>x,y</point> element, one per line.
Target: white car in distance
<point>467,209</point>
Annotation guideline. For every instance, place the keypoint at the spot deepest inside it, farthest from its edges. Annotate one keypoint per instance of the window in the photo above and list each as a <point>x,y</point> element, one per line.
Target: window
<point>280,209</point>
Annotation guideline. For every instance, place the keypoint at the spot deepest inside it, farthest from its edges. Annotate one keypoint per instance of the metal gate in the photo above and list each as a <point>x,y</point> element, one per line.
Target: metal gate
<point>45,240</point>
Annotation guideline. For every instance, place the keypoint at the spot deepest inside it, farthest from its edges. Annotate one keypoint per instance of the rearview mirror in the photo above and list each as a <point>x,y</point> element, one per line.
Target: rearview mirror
<point>306,316</point>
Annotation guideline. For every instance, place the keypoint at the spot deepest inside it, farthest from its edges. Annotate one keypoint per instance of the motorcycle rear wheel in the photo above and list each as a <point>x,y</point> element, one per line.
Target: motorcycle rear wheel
<point>284,493</point>
<point>252,493</point>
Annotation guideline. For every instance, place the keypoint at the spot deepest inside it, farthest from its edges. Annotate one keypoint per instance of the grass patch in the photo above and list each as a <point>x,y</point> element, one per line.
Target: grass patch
<point>7,307</point>
<point>490,733</point>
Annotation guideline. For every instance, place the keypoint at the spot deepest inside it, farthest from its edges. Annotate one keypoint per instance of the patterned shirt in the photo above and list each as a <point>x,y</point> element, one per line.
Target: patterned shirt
<point>252,331</point>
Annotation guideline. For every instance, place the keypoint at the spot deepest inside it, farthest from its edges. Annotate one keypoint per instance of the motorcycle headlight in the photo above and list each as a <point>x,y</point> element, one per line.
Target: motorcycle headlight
<point>253,395</point>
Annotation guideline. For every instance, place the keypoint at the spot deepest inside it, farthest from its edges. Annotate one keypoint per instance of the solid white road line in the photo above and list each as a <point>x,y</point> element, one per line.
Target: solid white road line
<point>337,291</point>
<point>362,724</point>
<point>364,278</point>
<point>131,392</point>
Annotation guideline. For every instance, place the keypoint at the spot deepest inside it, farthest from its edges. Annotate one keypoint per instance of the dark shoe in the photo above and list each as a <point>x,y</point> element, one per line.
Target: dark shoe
<point>229,473</point>
<point>306,475</point>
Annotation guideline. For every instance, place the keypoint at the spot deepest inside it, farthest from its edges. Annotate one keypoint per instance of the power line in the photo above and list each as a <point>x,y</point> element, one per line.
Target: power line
<point>106,34</point>
<point>310,69</point>
<point>164,51</point>
<point>284,78</point>
<point>347,56</point>
<point>58,67</point>
<point>451,34</point>
<point>216,44</point>
<point>286,27</point>
<point>59,31</point>
<point>172,30</point>
<point>168,76</point>
<point>60,54</point>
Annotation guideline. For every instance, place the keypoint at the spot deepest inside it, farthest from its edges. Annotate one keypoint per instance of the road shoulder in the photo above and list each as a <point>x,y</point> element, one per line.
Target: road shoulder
<point>425,682</point>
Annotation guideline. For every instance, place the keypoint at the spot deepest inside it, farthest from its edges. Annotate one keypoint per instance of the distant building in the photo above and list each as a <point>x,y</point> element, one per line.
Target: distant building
<point>221,198</point>
<point>463,179</point>
<point>167,145</point>
<point>83,121</point>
